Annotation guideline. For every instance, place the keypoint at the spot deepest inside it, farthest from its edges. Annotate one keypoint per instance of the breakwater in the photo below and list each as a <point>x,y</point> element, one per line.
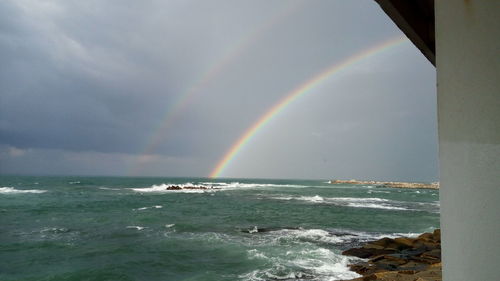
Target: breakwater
<point>394,184</point>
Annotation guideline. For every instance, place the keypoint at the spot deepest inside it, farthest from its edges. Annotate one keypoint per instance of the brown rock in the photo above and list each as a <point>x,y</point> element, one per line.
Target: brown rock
<point>435,253</point>
<point>400,259</point>
<point>384,242</point>
<point>437,235</point>
<point>373,246</point>
<point>413,266</point>
<point>391,244</point>
<point>365,253</point>
<point>427,245</point>
<point>406,242</point>
<point>407,271</point>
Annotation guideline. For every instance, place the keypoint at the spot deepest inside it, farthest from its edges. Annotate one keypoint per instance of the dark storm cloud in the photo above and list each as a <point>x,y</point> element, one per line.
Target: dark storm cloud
<point>97,75</point>
<point>90,82</point>
<point>77,85</point>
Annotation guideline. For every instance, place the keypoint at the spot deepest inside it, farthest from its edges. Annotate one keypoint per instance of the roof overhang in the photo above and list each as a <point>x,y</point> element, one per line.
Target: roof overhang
<point>416,19</point>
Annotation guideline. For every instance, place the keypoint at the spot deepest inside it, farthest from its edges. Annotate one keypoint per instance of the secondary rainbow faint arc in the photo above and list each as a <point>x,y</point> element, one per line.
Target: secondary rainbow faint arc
<point>173,112</point>
<point>296,93</point>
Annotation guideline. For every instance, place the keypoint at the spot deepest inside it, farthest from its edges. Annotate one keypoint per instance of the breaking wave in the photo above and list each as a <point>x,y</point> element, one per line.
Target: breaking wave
<point>11,190</point>
<point>209,187</point>
<point>151,207</point>
<point>162,188</point>
<point>301,264</point>
<point>373,203</point>
<point>136,227</point>
<point>238,185</point>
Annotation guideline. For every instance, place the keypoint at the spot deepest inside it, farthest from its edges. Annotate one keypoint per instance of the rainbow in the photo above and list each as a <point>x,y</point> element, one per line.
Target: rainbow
<point>233,52</point>
<point>299,91</point>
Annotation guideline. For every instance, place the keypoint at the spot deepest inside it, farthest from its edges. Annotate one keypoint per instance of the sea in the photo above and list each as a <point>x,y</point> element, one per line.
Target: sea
<point>133,228</point>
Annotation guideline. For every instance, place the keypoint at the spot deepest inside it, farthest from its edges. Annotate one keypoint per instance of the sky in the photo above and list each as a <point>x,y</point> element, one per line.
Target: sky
<point>165,88</point>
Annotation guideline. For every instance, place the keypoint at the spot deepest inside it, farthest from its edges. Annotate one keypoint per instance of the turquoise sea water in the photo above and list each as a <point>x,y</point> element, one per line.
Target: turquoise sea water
<point>112,228</point>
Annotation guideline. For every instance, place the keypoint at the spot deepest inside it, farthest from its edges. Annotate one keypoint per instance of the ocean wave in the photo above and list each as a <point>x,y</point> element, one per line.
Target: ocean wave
<point>151,207</point>
<point>234,185</point>
<point>297,236</point>
<point>51,233</point>
<point>328,236</point>
<point>371,202</point>
<point>136,227</point>
<point>313,199</point>
<point>108,188</point>
<point>377,206</point>
<point>296,254</point>
<point>307,235</point>
<point>11,190</point>
<point>287,198</point>
<point>208,187</point>
<point>300,264</point>
<point>377,191</point>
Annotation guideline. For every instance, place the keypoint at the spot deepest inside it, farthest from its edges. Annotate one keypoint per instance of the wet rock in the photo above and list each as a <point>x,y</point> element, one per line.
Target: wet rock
<point>365,253</point>
<point>407,259</point>
<point>405,242</point>
<point>193,187</point>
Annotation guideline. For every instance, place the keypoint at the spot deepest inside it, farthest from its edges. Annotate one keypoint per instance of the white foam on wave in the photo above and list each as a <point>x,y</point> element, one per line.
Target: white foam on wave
<point>210,187</point>
<point>108,188</point>
<point>151,207</point>
<point>235,185</point>
<point>282,198</point>
<point>331,264</point>
<point>11,190</point>
<point>355,199</point>
<point>370,202</point>
<point>169,225</point>
<point>315,198</point>
<point>253,230</point>
<point>363,237</point>
<point>136,227</point>
<point>298,254</point>
<point>376,206</point>
<point>301,264</point>
<point>308,235</point>
<point>255,254</point>
<point>334,236</point>
<point>54,230</point>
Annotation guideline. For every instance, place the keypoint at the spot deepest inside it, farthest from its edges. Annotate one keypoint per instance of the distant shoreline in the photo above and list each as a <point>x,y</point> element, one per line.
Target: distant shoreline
<point>393,184</point>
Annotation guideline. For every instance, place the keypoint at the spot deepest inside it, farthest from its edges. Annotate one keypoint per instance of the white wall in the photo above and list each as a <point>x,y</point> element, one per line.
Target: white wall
<point>468,77</point>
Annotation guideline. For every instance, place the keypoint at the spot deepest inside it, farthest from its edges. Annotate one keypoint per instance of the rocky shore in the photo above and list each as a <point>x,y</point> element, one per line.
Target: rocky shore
<point>395,184</point>
<point>400,259</point>
<point>192,187</point>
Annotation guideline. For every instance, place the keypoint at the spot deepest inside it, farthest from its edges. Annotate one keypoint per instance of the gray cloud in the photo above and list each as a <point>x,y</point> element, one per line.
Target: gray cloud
<point>87,84</point>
